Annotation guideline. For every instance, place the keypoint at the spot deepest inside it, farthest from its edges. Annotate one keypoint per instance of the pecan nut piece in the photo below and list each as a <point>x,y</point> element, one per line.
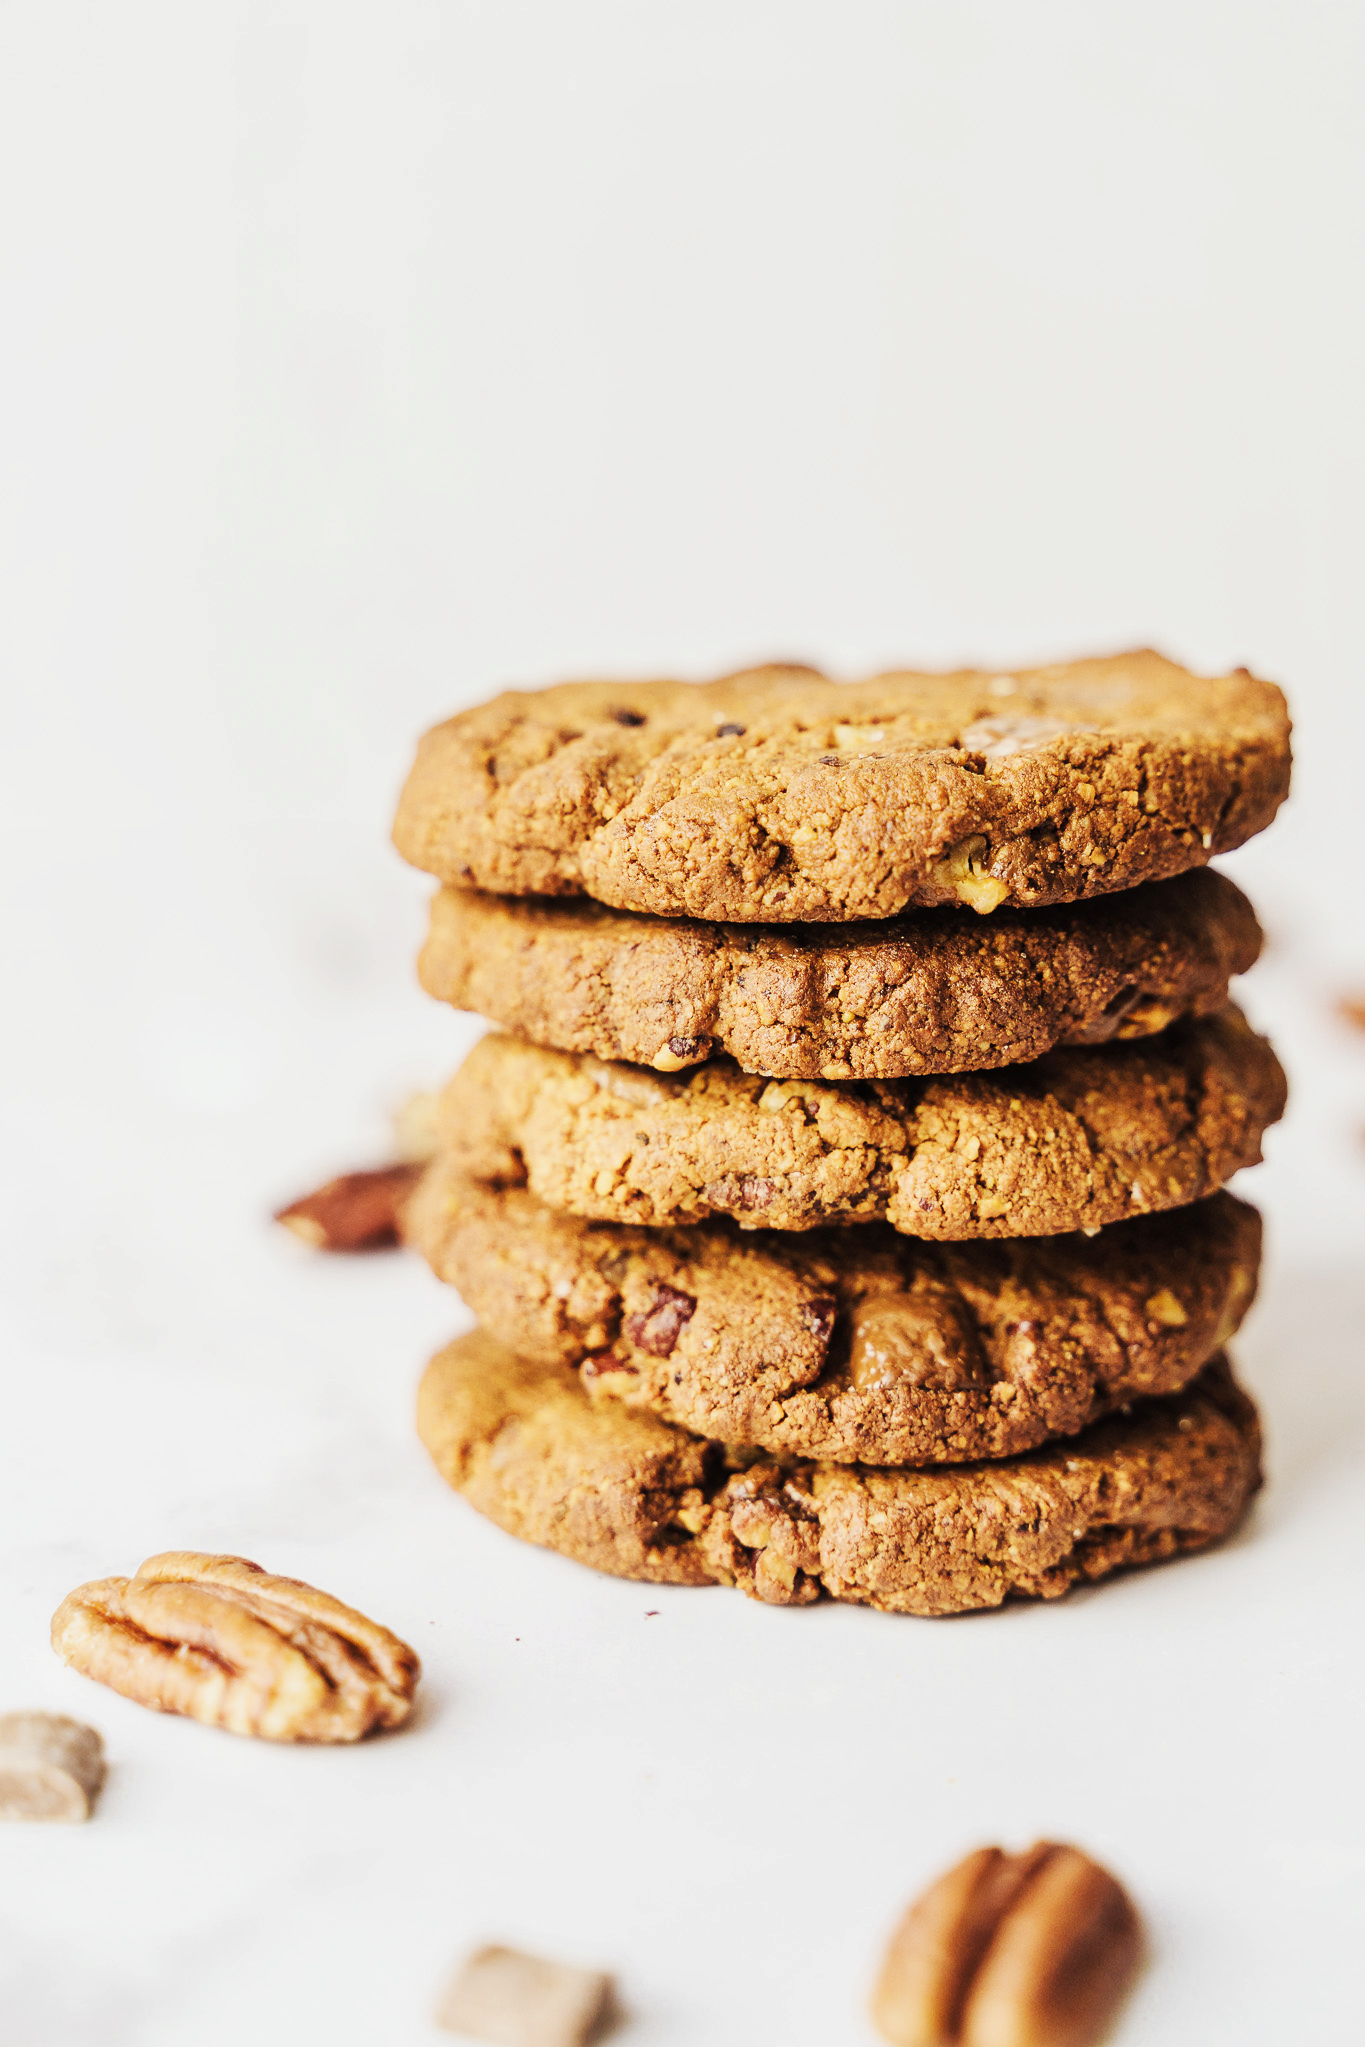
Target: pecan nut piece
<point>51,1768</point>
<point>221,1640</point>
<point>764,1535</point>
<point>356,1212</point>
<point>1032,1950</point>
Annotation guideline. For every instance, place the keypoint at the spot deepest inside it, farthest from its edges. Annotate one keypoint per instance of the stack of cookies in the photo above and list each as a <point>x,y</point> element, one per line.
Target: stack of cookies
<point>840,1196</point>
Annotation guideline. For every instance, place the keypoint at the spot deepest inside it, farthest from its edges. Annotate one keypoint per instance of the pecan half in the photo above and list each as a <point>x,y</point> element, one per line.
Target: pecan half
<point>1032,1950</point>
<point>221,1640</point>
<point>356,1212</point>
<point>51,1768</point>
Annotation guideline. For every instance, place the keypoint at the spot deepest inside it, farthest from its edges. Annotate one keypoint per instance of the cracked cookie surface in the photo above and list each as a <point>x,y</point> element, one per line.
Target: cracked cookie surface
<point>778,796</point>
<point>849,1345</point>
<point>935,991</point>
<point>1075,1140</point>
<point>631,1495</point>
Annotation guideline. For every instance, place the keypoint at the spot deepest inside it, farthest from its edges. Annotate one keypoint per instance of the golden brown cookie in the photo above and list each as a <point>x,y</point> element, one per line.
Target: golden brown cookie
<point>858,1346</point>
<point>778,796</point>
<point>629,1494</point>
<point>934,991</point>
<point>1077,1139</point>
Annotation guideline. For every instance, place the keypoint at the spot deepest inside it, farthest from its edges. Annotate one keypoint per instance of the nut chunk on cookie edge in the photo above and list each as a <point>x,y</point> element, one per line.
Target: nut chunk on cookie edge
<point>220,1640</point>
<point>1031,1950</point>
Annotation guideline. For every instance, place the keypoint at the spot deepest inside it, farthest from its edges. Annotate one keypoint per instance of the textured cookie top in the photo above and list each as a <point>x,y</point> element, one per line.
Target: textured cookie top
<point>1074,1140</point>
<point>628,1494</point>
<point>932,991</point>
<point>779,796</point>
<point>859,1346</point>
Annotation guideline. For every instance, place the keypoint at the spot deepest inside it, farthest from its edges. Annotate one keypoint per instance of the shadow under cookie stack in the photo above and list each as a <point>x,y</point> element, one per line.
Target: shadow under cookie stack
<point>841,1195</point>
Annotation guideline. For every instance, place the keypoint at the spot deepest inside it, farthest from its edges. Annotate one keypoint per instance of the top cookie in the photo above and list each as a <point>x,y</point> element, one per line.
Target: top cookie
<point>778,796</point>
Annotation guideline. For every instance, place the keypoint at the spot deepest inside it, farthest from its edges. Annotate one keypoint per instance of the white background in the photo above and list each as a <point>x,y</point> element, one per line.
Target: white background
<point>356,360</point>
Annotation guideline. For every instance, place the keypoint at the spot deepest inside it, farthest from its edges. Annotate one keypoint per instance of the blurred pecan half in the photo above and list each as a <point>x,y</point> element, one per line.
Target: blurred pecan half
<point>1033,1950</point>
<point>357,1212</point>
<point>221,1640</point>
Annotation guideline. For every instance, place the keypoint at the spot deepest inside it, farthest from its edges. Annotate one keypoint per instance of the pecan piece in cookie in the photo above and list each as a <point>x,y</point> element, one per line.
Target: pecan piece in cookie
<point>222,1641</point>
<point>1032,1950</point>
<point>767,1536</point>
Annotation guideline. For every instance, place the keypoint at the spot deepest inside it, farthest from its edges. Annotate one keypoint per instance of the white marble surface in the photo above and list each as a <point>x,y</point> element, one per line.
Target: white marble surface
<point>359,359</point>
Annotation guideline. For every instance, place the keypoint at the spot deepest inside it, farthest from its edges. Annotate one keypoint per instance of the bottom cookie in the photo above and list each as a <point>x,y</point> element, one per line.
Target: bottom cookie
<point>627,1493</point>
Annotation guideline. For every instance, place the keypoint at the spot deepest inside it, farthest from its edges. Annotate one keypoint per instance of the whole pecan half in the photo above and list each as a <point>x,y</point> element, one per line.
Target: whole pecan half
<point>1032,1950</point>
<point>221,1640</point>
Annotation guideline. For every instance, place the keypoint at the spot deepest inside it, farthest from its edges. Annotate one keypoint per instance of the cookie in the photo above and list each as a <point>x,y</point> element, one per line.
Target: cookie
<point>856,1346</point>
<point>778,796</point>
<point>935,991</point>
<point>1074,1140</point>
<point>629,1494</point>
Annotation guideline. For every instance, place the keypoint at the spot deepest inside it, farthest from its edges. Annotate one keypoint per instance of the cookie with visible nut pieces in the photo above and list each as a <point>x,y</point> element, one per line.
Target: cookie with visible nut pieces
<point>936,991</point>
<point>853,1345</point>
<point>778,796</point>
<point>616,1488</point>
<point>1032,1950</point>
<point>222,1641</point>
<point>1083,1137</point>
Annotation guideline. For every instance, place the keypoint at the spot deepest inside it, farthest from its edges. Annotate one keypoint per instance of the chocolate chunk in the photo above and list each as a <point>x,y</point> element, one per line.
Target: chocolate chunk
<point>658,1328</point>
<point>818,1316</point>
